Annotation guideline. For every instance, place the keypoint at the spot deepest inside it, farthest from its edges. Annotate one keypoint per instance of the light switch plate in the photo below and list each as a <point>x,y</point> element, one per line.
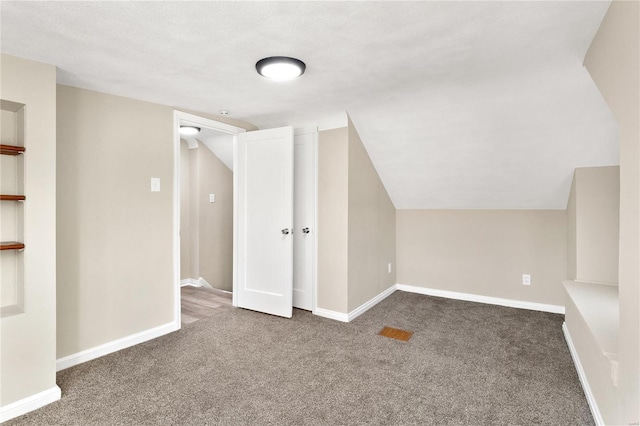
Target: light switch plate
<point>212,198</point>
<point>155,184</point>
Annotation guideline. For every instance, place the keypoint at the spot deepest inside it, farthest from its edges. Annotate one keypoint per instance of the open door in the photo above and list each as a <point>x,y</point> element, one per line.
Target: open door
<point>304,217</point>
<point>265,221</point>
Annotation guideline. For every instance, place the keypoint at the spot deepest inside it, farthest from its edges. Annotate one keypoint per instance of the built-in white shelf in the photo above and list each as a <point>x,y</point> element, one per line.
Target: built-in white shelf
<point>12,200</point>
<point>599,307</point>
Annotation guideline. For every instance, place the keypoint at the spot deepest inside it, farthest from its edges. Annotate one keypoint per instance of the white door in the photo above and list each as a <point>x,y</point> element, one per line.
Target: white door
<point>304,218</point>
<point>265,221</point>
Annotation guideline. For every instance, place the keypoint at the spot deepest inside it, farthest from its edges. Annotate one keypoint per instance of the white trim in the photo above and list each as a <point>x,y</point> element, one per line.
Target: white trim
<point>591,400</point>
<point>339,316</point>
<point>532,306</point>
<point>200,282</point>
<point>371,303</point>
<point>326,313</point>
<point>176,220</point>
<point>305,130</point>
<point>203,283</point>
<point>313,130</point>
<point>234,284</point>
<point>576,280</point>
<point>189,282</point>
<point>336,120</point>
<point>192,142</point>
<point>114,346</point>
<point>207,122</point>
<point>30,403</point>
<point>316,164</point>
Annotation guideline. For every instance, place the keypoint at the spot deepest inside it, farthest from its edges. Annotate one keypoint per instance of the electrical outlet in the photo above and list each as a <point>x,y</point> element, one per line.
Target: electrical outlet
<point>526,279</point>
<point>388,268</point>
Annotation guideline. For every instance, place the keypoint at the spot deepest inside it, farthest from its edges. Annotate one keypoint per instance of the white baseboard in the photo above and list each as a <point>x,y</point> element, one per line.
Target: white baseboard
<point>114,346</point>
<point>29,403</point>
<point>189,282</point>
<point>339,316</point>
<point>326,313</point>
<point>200,282</point>
<point>371,303</point>
<point>595,412</point>
<point>556,309</point>
<point>203,283</point>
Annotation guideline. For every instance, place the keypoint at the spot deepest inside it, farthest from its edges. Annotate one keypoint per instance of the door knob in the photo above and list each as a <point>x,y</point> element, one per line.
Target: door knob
<point>305,230</point>
<point>285,231</point>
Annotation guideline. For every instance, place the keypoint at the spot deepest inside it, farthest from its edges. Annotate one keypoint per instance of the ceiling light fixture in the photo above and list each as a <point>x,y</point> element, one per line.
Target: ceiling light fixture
<point>280,68</point>
<point>189,130</point>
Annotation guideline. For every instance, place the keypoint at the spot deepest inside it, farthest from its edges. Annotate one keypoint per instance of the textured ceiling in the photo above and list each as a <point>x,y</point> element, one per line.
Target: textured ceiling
<point>459,104</point>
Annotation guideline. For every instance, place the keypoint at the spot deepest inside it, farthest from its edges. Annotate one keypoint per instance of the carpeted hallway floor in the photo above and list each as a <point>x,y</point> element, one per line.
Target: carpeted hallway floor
<point>466,364</point>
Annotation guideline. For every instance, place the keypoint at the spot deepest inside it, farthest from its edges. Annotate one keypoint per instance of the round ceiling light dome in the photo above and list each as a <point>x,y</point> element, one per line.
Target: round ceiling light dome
<point>189,130</point>
<point>280,68</point>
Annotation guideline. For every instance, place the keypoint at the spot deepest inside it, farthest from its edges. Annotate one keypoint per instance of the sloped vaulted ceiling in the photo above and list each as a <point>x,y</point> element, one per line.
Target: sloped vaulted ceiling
<point>459,104</point>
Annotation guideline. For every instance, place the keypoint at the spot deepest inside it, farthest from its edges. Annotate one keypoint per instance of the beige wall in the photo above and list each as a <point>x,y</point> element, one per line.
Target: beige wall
<point>613,60</point>
<point>193,235</point>
<point>216,220</point>
<point>114,234</point>
<point>356,224</point>
<point>571,232</point>
<point>185,217</point>
<point>28,340</point>
<point>371,225</point>
<point>206,233</point>
<point>333,183</point>
<point>115,274</point>
<point>593,213</point>
<point>484,252</point>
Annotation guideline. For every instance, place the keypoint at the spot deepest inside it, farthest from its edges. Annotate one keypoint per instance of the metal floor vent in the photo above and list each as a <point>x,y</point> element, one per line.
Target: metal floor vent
<point>396,333</point>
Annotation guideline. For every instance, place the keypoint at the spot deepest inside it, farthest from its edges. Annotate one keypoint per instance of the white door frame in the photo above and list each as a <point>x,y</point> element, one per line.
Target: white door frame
<point>180,117</point>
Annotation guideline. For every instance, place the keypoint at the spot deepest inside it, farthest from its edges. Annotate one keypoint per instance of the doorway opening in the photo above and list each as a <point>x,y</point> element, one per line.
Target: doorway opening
<point>206,223</point>
<point>203,250</point>
<point>261,164</point>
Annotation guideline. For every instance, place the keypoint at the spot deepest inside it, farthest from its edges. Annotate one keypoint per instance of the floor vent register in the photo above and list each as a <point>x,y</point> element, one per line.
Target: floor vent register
<point>396,333</point>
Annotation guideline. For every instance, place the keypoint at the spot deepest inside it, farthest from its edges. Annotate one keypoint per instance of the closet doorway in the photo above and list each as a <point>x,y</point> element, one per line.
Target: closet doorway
<point>196,258</point>
<point>206,217</point>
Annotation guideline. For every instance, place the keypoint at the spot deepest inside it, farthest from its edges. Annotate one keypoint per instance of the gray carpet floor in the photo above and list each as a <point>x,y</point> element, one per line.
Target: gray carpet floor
<point>466,364</point>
